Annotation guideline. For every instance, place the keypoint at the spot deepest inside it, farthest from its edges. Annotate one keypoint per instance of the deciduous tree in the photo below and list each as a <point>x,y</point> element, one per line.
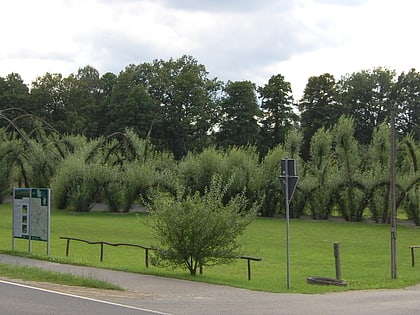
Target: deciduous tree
<point>365,96</point>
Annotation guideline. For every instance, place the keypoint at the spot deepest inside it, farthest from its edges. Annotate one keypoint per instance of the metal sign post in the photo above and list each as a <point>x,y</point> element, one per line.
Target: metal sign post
<point>288,181</point>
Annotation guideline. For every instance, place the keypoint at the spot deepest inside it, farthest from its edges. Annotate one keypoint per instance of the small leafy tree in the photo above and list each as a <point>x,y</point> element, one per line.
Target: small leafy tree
<point>197,230</point>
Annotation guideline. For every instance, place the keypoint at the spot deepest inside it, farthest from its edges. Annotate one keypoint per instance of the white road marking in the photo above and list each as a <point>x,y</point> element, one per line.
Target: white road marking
<point>84,298</point>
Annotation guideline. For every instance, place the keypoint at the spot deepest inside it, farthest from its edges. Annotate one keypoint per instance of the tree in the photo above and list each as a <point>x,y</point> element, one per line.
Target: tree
<point>318,107</point>
<point>239,115</point>
<point>365,96</point>
<point>408,103</point>
<point>82,98</point>
<point>277,112</point>
<point>198,231</point>
<point>47,100</point>
<point>14,101</point>
<point>186,98</point>
<point>130,105</point>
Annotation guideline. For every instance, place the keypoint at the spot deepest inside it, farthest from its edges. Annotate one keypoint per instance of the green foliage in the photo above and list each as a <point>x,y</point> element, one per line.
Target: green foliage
<point>365,96</point>
<point>130,105</point>
<point>412,203</point>
<point>238,116</point>
<point>318,107</point>
<point>186,102</point>
<point>125,186</point>
<point>199,230</point>
<point>77,183</point>
<point>351,191</point>
<point>408,98</point>
<point>278,116</point>
<point>293,143</point>
<point>319,180</point>
<point>197,170</point>
<point>240,171</point>
<point>7,160</point>
<point>378,175</point>
<point>41,162</point>
<point>270,170</point>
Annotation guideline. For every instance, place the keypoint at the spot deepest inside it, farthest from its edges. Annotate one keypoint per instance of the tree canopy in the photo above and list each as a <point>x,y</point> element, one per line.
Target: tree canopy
<point>182,109</point>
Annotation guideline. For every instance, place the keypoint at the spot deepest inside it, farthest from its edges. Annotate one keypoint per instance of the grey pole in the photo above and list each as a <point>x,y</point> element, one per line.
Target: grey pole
<point>287,178</point>
<point>393,211</point>
<point>287,224</point>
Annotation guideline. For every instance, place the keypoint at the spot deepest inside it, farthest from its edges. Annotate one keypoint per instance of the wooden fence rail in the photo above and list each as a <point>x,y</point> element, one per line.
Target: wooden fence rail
<point>102,243</point>
<point>146,249</point>
<point>249,258</point>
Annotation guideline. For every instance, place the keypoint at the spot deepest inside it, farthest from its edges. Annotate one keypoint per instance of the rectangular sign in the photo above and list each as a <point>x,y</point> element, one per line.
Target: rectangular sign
<point>31,213</point>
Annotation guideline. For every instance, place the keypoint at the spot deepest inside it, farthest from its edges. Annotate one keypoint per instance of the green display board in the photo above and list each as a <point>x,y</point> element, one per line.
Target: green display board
<point>31,215</point>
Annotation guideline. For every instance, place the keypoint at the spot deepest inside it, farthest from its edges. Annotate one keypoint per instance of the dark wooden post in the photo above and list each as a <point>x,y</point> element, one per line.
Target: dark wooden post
<point>67,247</point>
<point>412,255</point>
<point>102,251</point>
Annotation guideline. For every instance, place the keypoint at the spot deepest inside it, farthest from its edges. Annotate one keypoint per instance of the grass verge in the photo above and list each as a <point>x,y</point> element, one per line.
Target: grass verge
<point>40,275</point>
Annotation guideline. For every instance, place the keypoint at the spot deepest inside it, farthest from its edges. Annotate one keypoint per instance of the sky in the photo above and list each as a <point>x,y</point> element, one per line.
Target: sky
<point>234,39</point>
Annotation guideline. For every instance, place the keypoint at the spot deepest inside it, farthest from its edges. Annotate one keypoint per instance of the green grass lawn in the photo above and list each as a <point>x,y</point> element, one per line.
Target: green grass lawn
<point>365,251</point>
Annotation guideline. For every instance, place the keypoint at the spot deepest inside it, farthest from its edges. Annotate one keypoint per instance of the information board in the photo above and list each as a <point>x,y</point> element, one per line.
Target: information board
<point>31,214</point>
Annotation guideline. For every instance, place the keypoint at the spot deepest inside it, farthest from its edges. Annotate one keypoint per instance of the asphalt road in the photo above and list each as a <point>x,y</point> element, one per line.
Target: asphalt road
<point>180,297</point>
<point>18,299</point>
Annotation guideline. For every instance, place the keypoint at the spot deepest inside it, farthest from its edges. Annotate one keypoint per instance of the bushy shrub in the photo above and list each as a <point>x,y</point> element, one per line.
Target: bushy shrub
<point>77,184</point>
<point>127,185</point>
<point>241,166</point>
<point>197,170</point>
<point>199,230</point>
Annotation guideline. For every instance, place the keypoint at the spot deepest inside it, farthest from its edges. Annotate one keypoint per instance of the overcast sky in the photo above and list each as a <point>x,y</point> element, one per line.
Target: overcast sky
<point>235,39</point>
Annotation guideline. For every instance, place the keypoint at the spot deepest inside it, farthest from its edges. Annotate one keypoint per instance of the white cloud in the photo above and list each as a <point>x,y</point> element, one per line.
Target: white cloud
<point>235,40</point>
<point>377,34</point>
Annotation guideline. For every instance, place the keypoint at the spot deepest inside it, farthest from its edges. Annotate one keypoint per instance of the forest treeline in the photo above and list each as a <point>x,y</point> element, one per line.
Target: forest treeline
<point>182,109</point>
<point>166,126</point>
